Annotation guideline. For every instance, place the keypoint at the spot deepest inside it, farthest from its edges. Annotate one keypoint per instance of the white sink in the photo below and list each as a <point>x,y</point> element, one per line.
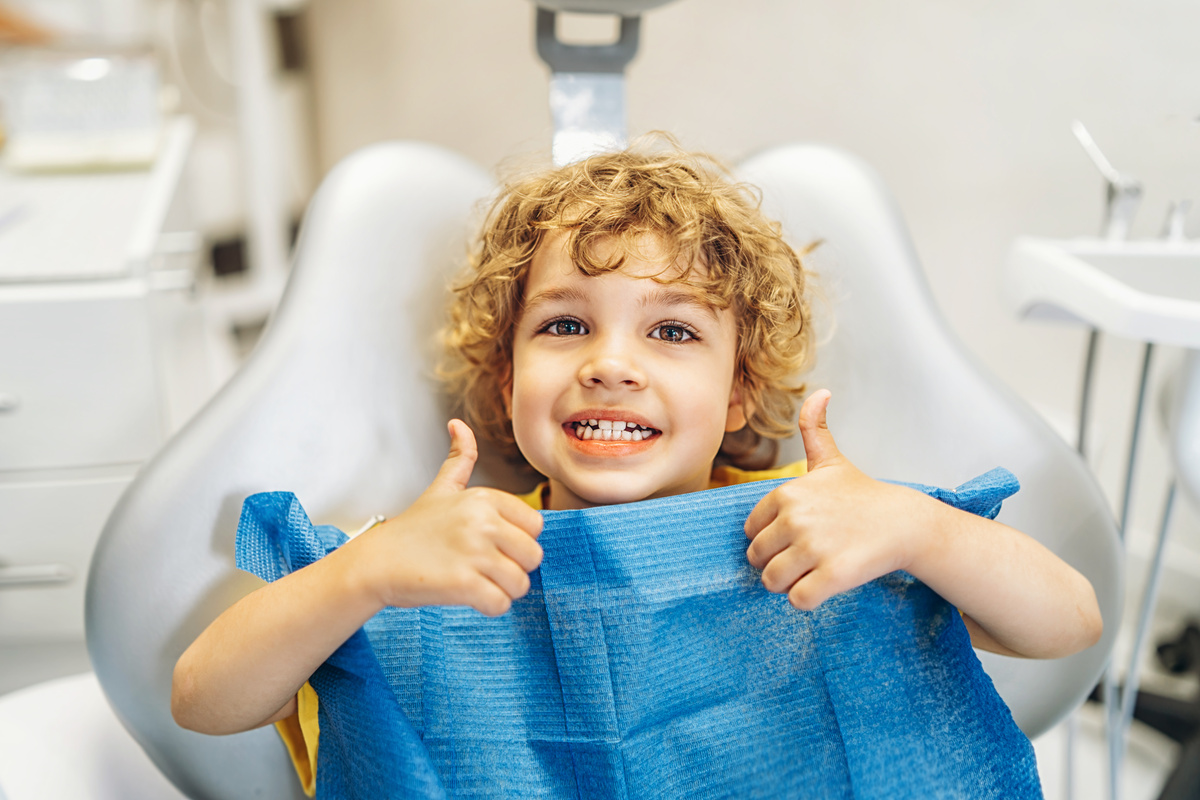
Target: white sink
<point>1145,290</point>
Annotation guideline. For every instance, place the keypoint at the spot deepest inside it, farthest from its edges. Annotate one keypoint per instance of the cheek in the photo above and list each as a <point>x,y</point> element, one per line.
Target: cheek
<point>527,393</point>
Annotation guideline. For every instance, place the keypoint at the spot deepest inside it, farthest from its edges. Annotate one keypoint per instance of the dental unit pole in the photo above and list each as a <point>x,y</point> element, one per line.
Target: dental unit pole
<point>1149,598</point>
<point>1116,226</point>
<point>1117,696</point>
<point>587,88</point>
<point>1122,197</point>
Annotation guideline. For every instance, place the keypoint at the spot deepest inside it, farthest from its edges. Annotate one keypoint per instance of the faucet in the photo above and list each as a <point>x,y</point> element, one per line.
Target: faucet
<point>1123,192</point>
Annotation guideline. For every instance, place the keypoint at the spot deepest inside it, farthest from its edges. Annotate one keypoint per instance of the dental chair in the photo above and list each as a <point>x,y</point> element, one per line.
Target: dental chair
<point>337,404</point>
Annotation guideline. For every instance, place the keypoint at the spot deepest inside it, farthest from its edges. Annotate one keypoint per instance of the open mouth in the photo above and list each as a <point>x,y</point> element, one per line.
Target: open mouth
<point>606,430</point>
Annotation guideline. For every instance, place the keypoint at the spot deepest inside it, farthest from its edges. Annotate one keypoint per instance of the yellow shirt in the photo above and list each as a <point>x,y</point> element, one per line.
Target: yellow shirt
<point>301,731</point>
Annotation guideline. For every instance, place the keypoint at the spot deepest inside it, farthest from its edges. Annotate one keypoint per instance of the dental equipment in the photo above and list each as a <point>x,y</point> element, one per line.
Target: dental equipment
<point>587,82</point>
<point>1122,193</point>
<point>1143,290</point>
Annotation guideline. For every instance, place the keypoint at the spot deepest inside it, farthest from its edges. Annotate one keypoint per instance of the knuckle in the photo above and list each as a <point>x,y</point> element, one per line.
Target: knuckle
<point>490,496</point>
<point>528,565</point>
<point>473,494</point>
<point>495,604</point>
<point>480,515</point>
<point>793,518</point>
<point>837,573</point>
<point>803,598</point>
<point>471,547</point>
<point>773,579</point>
<point>805,548</point>
<point>463,578</point>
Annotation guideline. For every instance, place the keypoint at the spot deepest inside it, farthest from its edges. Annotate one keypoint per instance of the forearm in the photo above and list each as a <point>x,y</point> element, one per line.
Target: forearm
<point>1018,597</point>
<point>249,663</point>
<point>453,546</point>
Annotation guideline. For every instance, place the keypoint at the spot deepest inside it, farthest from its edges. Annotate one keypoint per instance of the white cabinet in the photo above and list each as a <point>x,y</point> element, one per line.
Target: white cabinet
<point>96,295</point>
<point>47,533</point>
<point>80,379</point>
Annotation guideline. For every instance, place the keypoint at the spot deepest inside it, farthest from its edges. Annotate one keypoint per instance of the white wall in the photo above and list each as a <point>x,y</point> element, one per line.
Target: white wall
<point>964,107</point>
<point>108,22</point>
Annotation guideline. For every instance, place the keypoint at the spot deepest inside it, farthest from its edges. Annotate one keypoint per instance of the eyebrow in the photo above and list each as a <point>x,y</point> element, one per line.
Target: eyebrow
<point>674,295</point>
<point>662,296</point>
<point>554,295</point>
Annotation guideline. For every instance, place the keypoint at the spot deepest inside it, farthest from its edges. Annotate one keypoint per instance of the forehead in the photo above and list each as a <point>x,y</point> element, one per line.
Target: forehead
<point>646,279</point>
<point>646,257</point>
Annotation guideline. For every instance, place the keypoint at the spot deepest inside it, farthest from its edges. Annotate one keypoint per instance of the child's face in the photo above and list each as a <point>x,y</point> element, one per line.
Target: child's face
<point>653,358</point>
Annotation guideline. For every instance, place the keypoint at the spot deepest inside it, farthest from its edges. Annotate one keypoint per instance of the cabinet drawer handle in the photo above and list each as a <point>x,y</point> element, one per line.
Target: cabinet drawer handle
<point>34,575</point>
<point>9,402</point>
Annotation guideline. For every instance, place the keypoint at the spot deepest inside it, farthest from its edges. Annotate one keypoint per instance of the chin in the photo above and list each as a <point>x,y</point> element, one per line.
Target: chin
<point>610,498</point>
<point>606,495</point>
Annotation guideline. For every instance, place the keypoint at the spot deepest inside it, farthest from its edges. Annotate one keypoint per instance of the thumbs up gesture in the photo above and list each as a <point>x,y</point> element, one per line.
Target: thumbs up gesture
<point>834,528</point>
<point>454,545</point>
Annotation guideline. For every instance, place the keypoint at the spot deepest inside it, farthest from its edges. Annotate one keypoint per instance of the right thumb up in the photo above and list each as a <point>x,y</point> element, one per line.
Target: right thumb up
<point>456,469</point>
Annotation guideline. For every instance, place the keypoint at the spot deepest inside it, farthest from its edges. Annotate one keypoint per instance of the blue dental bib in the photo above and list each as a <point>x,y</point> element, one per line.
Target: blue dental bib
<point>648,661</point>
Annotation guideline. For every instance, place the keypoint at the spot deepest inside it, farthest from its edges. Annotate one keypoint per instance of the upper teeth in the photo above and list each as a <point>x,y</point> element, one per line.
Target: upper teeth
<point>610,430</point>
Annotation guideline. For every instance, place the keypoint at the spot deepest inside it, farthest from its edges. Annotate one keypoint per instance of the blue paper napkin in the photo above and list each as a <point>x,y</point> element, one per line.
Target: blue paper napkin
<point>647,661</point>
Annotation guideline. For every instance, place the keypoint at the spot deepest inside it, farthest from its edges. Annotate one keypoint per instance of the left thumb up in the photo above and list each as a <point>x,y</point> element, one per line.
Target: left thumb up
<point>819,446</point>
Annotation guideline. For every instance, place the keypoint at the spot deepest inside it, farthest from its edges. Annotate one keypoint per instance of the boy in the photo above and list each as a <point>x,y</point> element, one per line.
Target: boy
<point>626,321</point>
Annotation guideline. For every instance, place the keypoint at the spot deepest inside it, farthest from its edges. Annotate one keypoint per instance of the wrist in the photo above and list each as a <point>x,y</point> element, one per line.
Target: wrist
<point>928,539</point>
<point>356,574</point>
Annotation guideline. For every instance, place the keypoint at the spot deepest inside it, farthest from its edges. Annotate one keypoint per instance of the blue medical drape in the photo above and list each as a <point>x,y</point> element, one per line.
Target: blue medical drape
<point>647,661</point>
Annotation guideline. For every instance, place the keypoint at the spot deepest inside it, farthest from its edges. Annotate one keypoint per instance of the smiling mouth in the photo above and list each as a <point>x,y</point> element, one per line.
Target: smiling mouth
<point>611,430</point>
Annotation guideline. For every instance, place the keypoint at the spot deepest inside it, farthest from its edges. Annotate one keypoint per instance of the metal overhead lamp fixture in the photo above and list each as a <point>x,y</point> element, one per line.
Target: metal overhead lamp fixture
<point>587,82</point>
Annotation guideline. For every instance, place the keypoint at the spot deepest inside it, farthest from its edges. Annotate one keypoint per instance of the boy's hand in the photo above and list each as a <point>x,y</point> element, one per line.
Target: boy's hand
<point>454,545</point>
<point>834,528</point>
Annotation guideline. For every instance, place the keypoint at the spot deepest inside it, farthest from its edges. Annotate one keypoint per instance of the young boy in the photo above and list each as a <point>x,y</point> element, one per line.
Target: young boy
<point>627,321</point>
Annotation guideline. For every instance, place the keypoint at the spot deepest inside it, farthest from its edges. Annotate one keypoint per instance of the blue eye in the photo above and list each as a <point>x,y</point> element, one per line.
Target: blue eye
<point>674,332</point>
<point>564,327</point>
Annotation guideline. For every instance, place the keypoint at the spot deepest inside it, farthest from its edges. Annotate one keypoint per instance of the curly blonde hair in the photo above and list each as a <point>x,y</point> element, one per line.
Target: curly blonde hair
<point>704,220</point>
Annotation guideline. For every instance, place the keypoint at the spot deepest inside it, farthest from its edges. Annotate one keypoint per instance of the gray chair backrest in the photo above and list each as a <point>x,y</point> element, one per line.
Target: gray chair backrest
<point>337,404</point>
<point>910,403</point>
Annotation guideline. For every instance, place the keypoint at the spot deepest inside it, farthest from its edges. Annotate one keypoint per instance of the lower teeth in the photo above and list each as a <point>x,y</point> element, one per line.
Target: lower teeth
<point>587,432</point>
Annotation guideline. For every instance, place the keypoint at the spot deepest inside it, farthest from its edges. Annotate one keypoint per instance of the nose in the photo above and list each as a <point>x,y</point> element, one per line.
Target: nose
<point>611,362</point>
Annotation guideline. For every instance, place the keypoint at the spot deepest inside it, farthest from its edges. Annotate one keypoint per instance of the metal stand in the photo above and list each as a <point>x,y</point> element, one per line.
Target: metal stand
<point>1119,702</point>
<point>587,89</point>
<point>1072,722</point>
<point>1114,726</point>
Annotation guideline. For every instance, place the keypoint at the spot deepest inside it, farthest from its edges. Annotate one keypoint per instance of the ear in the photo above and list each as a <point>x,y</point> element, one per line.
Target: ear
<point>740,409</point>
<point>506,394</point>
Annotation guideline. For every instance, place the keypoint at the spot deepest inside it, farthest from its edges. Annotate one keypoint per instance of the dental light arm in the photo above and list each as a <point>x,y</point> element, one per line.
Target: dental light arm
<point>587,82</point>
